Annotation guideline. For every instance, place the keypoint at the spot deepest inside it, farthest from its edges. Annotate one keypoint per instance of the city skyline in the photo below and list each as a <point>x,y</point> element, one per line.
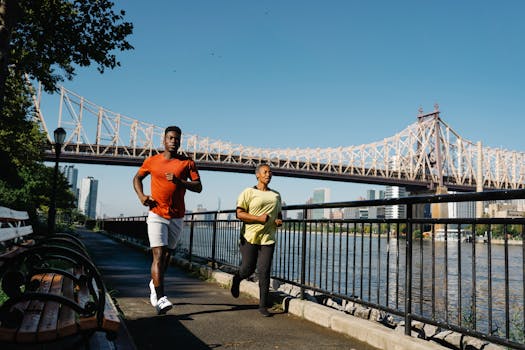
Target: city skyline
<point>90,205</point>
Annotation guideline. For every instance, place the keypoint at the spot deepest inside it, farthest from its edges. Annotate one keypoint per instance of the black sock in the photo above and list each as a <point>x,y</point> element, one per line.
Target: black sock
<point>160,291</point>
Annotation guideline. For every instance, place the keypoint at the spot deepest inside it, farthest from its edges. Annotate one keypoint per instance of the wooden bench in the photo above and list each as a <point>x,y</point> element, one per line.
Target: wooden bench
<point>55,294</point>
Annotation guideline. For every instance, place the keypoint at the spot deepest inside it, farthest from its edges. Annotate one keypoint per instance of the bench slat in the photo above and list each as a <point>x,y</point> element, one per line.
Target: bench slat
<point>67,321</point>
<point>8,233</point>
<point>48,323</point>
<point>111,321</point>
<point>6,213</point>
<point>29,327</point>
<point>83,297</point>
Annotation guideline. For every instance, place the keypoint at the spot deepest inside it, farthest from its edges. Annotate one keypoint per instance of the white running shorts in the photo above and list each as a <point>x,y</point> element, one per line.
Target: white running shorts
<point>164,232</point>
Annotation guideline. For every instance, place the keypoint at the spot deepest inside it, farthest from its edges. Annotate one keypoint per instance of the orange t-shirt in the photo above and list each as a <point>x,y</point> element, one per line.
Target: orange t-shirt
<point>169,196</point>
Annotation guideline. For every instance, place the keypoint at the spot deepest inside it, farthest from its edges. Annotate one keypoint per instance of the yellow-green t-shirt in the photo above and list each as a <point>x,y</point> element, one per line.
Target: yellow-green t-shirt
<point>257,202</point>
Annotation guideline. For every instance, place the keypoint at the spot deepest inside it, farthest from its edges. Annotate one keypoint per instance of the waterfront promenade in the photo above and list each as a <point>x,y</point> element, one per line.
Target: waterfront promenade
<point>205,316</point>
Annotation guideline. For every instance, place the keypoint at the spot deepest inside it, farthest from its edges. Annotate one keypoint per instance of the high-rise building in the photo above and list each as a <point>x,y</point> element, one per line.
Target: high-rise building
<point>87,201</point>
<point>461,209</point>
<point>71,174</point>
<point>321,195</point>
<point>375,212</point>
<point>395,211</point>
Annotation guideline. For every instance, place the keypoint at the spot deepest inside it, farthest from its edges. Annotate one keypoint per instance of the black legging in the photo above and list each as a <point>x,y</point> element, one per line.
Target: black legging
<point>260,256</point>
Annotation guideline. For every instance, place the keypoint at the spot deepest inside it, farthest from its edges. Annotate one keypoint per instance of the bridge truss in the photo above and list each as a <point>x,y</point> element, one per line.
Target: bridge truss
<point>426,154</point>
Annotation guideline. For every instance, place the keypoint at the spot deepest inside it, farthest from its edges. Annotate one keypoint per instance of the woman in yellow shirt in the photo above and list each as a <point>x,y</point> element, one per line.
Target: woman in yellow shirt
<point>259,208</point>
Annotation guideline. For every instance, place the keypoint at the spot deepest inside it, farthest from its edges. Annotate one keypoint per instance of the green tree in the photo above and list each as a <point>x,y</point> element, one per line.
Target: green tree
<point>21,142</point>
<point>24,179</point>
<point>47,39</point>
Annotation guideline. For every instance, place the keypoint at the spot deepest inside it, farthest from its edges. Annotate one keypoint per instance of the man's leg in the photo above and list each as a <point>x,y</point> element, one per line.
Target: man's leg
<point>167,254</point>
<point>158,269</point>
<point>174,235</point>
<point>158,237</point>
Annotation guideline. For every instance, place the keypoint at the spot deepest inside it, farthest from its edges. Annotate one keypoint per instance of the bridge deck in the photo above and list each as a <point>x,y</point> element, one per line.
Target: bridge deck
<point>204,315</point>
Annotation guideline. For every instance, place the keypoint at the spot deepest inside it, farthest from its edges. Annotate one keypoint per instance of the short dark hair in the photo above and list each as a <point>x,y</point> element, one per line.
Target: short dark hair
<point>172,128</point>
<point>259,166</point>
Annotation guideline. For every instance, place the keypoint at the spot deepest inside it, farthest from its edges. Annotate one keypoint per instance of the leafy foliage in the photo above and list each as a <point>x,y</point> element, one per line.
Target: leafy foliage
<point>51,35</point>
<point>21,141</point>
<point>47,40</point>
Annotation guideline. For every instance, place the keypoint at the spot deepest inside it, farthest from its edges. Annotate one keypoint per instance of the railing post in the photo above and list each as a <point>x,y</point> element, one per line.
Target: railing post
<point>408,273</point>
<point>192,223</point>
<point>303,253</point>
<point>214,241</point>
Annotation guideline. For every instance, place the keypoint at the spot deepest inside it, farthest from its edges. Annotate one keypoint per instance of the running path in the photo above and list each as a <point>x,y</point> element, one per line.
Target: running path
<point>204,315</point>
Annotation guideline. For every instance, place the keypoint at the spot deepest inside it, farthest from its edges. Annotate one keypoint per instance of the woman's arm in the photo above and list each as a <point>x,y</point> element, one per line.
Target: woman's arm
<point>249,218</point>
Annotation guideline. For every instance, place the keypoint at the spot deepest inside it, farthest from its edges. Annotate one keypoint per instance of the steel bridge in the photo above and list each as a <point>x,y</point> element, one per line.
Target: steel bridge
<point>425,155</point>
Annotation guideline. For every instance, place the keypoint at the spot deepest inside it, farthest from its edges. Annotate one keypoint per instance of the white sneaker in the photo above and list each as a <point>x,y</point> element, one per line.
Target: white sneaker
<point>163,306</point>
<point>152,294</point>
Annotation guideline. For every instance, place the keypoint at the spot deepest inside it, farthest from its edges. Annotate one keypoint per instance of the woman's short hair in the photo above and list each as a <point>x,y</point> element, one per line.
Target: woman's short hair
<point>259,166</point>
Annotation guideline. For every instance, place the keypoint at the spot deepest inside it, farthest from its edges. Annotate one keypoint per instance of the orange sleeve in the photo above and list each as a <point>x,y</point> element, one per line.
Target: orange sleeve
<point>194,173</point>
<point>145,167</point>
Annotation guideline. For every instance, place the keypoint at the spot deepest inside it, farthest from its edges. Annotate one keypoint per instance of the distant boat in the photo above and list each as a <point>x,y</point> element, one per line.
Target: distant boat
<point>451,234</point>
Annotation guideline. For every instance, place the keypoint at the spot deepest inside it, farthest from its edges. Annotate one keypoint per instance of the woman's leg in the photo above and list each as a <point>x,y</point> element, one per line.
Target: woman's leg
<point>264,268</point>
<point>248,263</point>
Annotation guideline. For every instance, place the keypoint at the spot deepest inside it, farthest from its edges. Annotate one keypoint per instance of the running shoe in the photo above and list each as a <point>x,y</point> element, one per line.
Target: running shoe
<point>163,306</point>
<point>264,312</point>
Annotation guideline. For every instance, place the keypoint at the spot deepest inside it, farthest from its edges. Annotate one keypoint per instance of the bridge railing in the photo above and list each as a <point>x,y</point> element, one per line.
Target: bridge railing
<point>463,274</point>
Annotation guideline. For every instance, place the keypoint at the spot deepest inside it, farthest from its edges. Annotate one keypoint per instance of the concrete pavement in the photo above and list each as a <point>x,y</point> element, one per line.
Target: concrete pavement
<point>205,315</point>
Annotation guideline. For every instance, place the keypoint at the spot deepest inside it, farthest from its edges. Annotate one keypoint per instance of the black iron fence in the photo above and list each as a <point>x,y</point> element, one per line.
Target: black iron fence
<point>463,274</point>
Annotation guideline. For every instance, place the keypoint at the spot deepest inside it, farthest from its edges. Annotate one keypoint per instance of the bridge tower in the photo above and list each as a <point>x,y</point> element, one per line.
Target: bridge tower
<point>438,210</point>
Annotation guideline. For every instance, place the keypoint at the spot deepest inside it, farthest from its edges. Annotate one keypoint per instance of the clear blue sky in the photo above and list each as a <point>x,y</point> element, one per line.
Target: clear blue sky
<point>309,74</point>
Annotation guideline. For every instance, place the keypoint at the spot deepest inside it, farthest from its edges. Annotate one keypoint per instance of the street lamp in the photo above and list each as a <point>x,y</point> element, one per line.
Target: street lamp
<point>60,135</point>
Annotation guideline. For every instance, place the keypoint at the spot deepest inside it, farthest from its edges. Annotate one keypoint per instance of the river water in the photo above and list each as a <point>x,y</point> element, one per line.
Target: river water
<point>456,282</point>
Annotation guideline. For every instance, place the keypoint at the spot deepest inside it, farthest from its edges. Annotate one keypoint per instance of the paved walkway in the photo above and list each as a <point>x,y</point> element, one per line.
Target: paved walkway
<point>205,315</point>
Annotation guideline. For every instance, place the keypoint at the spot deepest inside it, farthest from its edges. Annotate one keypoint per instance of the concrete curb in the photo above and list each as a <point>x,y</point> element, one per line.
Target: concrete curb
<point>357,328</point>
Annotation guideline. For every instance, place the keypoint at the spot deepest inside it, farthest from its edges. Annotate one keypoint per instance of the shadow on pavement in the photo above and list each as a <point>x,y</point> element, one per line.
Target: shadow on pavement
<point>164,332</point>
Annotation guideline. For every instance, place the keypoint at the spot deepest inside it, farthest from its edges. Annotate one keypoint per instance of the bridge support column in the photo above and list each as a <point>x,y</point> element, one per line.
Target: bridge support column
<point>479,181</point>
<point>440,210</point>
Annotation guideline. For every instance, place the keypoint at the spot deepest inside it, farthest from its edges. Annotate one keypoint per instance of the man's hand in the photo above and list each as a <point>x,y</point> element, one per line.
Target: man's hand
<point>278,222</point>
<point>172,178</point>
<point>148,201</point>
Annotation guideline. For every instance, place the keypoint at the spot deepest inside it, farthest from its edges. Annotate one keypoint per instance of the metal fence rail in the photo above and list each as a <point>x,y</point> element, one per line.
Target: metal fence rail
<point>463,274</point>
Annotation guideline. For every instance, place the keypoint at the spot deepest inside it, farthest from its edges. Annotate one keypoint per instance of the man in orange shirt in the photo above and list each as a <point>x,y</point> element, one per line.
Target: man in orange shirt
<point>171,174</point>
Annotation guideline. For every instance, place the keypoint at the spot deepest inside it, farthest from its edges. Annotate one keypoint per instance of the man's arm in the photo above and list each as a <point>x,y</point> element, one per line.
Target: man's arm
<point>139,189</point>
<point>194,185</point>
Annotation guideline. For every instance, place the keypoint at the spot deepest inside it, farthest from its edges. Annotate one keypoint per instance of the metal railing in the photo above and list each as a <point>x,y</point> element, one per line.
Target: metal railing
<point>463,274</point>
